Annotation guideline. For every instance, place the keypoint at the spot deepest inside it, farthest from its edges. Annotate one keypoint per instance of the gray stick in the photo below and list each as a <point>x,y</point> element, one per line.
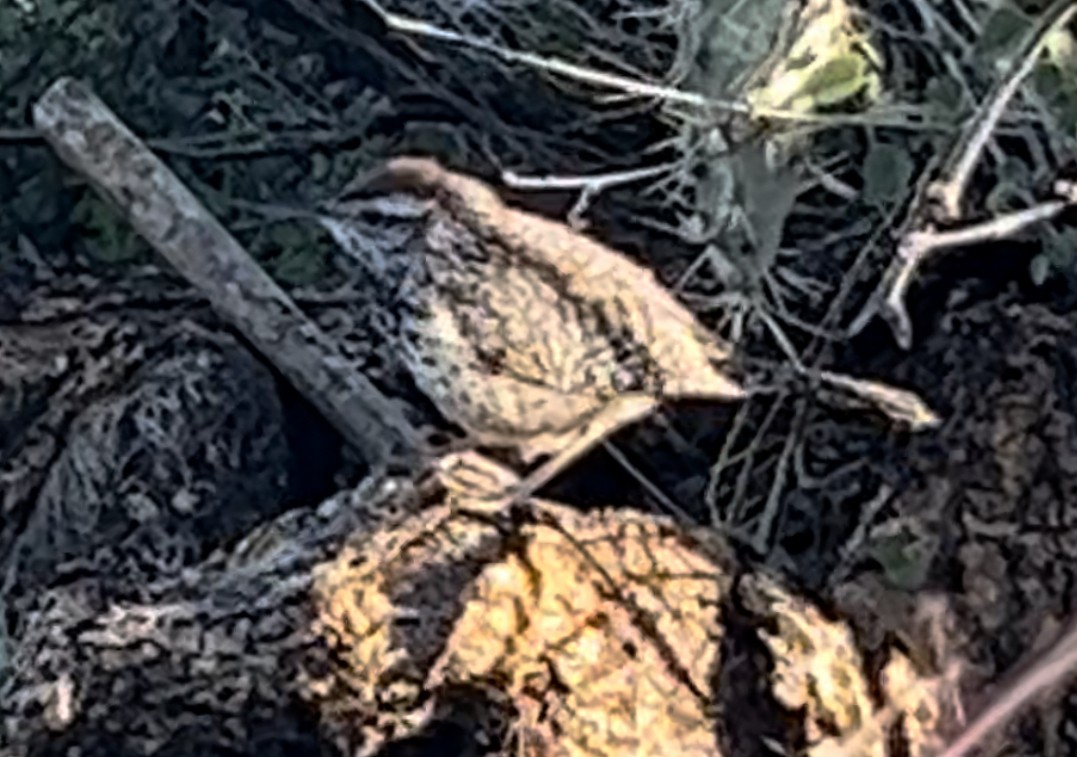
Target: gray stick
<point>91,139</point>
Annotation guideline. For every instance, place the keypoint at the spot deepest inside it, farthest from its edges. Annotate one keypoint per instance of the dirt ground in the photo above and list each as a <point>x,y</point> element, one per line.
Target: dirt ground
<point>953,543</point>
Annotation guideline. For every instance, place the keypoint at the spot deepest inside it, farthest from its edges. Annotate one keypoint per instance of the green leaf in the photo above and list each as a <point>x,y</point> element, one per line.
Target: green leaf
<point>1010,191</point>
<point>829,62</point>
<point>294,254</point>
<point>887,172</point>
<point>1060,247</point>
<point>299,269</point>
<point>1039,269</point>
<point>837,80</point>
<point>1055,79</point>
<point>320,165</point>
<point>769,193</point>
<point>107,235</point>
<point>944,95</point>
<point>1061,49</point>
<point>905,559</point>
<point>1002,31</point>
<point>735,37</point>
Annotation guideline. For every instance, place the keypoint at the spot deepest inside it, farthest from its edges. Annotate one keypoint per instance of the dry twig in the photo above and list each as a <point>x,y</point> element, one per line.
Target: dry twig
<point>948,189</point>
<point>589,186</point>
<point>592,77</point>
<point>916,247</point>
<point>632,87</point>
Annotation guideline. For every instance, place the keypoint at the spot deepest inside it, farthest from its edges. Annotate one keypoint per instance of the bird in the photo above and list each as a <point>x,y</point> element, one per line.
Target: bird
<point>529,335</point>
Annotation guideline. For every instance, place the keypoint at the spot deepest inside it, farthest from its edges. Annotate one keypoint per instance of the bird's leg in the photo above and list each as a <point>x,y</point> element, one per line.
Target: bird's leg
<point>620,412</point>
<point>474,478</point>
<point>474,481</point>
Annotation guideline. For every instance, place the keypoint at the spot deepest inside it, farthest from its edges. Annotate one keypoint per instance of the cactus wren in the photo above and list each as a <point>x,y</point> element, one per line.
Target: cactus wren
<point>527,334</point>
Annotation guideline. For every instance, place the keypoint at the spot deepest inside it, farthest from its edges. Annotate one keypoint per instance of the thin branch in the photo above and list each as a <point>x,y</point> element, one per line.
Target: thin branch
<point>594,183</point>
<point>19,136</point>
<point>850,551</point>
<point>589,186</point>
<point>628,85</point>
<point>764,529</point>
<point>900,405</point>
<point>636,87</point>
<point>1052,670</point>
<point>916,247</point>
<point>724,462</point>
<point>652,488</point>
<point>954,171</point>
<point>256,142</point>
<point>949,189</point>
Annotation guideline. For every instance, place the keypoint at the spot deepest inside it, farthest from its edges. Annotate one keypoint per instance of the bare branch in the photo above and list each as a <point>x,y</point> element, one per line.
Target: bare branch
<point>949,189</point>
<point>918,246</point>
<point>917,240</point>
<point>589,186</point>
<point>417,27</point>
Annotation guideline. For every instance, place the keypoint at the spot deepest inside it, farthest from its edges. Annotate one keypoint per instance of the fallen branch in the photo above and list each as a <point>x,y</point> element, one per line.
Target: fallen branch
<point>93,141</point>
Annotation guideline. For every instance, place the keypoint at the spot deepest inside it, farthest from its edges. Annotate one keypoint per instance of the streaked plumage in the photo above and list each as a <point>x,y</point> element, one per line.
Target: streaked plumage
<point>522,330</point>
